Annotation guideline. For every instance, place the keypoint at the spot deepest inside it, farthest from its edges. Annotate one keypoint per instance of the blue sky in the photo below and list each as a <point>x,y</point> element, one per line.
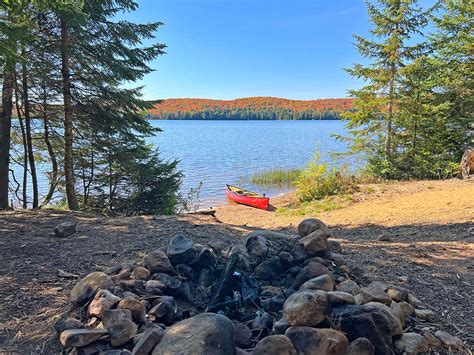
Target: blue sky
<point>225,49</point>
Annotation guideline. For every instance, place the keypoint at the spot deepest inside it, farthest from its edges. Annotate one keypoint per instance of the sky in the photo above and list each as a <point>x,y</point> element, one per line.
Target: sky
<point>226,49</point>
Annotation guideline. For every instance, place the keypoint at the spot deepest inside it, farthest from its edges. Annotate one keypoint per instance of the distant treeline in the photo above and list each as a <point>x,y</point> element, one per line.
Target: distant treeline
<point>254,108</point>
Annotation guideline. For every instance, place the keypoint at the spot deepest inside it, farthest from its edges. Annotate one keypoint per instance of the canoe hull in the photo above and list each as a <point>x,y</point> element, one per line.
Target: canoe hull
<point>257,202</point>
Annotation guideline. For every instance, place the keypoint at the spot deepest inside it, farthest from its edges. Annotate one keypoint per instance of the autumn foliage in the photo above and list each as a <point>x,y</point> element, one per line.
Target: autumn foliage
<point>250,108</point>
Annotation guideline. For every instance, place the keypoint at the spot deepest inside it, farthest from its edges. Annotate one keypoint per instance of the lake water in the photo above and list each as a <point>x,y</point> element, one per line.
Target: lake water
<point>217,153</point>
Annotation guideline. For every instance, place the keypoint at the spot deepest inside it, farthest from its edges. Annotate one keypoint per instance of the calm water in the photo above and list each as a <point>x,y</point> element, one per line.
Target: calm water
<point>227,152</point>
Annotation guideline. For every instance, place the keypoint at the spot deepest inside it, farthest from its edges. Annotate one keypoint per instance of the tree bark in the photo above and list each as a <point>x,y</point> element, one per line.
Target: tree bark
<point>53,179</point>
<point>5,130</point>
<point>24,201</point>
<point>68,118</point>
<point>31,157</point>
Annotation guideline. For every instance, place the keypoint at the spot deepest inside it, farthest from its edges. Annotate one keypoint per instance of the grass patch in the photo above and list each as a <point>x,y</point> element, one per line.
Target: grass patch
<point>315,207</point>
<point>276,178</point>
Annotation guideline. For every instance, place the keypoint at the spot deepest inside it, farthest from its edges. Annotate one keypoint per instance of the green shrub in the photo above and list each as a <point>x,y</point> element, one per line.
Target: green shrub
<point>319,180</point>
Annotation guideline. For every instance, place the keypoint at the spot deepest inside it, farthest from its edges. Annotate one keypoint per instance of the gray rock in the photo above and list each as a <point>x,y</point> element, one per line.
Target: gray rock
<point>148,341</point>
<point>85,289</point>
<point>308,340</point>
<point>337,258</point>
<point>111,316</point>
<point>411,344</point>
<point>315,243</point>
<point>204,334</point>
<point>136,308</point>
<point>155,287</point>
<point>80,337</point>
<point>449,340</point>
<point>414,301</point>
<point>65,229</point>
<point>310,225</point>
<point>164,311</point>
<point>180,250</point>
<point>158,262</point>
<point>103,299</point>
<point>348,286</point>
<point>270,269</point>
<point>68,323</point>
<point>141,273</point>
<point>242,335</point>
<point>372,294</point>
<point>323,282</point>
<point>398,294</point>
<point>121,332</point>
<point>361,346</point>
<point>307,307</point>
<point>274,345</point>
<point>310,271</point>
<point>426,314</point>
<point>338,297</point>
<point>334,246</point>
<point>281,326</point>
<point>402,310</point>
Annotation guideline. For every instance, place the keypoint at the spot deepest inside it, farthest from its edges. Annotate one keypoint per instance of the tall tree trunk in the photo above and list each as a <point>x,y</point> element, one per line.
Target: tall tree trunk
<point>5,130</point>
<point>68,117</point>
<point>31,157</point>
<point>53,179</point>
<point>388,139</point>
<point>24,200</point>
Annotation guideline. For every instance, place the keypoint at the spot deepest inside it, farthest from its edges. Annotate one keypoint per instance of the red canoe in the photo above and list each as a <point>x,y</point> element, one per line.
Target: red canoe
<point>246,197</point>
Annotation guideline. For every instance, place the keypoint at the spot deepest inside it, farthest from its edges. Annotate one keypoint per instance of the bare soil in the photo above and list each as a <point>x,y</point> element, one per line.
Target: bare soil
<point>430,250</point>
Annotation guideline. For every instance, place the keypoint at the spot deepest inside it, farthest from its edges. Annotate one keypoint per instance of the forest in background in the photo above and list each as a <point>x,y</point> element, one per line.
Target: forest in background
<point>251,108</point>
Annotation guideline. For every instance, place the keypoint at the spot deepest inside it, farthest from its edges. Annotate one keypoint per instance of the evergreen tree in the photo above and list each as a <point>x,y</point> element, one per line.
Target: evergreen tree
<point>373,123</point>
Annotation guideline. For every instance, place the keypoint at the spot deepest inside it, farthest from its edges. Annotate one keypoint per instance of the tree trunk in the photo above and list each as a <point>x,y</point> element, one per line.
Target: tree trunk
<point>388,139</point>
<point>31,157</point>
<point>53,179</point>
<point>24,201</point>
<point>5,130</point>
<point>68,117</point>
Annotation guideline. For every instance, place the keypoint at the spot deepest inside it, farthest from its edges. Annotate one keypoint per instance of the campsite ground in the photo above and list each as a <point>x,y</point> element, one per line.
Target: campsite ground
<point>416,234</point>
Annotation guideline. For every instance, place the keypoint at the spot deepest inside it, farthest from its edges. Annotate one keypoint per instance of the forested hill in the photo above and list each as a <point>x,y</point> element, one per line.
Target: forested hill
<point>252,108</point>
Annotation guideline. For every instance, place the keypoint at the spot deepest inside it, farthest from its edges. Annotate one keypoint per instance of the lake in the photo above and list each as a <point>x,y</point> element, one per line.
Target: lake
<point>217,153</point>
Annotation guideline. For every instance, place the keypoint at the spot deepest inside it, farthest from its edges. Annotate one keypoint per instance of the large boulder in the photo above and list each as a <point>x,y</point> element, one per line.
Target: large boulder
<point>373,321</point>
<point>85,289</point>
<point>307,307</point>
<point>65,229</point>
<point>158,262</point>
<point>311,225</point>
<point>307,340</point>
<point>274,345</point>
<point>206,333</point>
<point>315,243</point>
<point>180,250</point>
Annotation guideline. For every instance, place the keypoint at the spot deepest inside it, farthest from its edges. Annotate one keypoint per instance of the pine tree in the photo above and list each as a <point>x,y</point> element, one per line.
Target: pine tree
<point>395,22</point>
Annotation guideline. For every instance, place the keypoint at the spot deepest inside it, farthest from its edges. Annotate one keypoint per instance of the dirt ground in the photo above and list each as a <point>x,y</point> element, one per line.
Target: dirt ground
<point>428,247</point>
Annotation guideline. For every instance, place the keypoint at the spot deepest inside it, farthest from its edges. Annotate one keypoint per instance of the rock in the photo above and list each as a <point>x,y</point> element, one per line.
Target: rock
<point>65,229</point>
<point>287,260</point>
<point>104,299</point>
<point>336,257</point>
<point>207,258</point>
<point>315,243</point>
<point>448,340</point>
<point>242,335</point>
<point>257,246</point>
<point>308,340</point>
<point>398,294</point>
<point>411,344</point>
<point>263,320</point>
<point>372,294</point>
<point>136,308</point>
<point>323,282</point>
<point>180,250</point>
<point>239,351</point>
<point>135,286</point>
<point>122,275</point>
<point>274,345</point>
<point>274,304</point>
<point>348,286</point>
<point>281,326</point>
<point>426,314</point>
<point>307,307</point>
<point>373,321</point>
<point>158,262</point>
<point>116,352</point>
<point>334,246</point>
<point>141,273</point>
<point>165,310</point>
<point>361,346</point>
<point>384,238</point>
<point>402,310</point>
<point>113,270</point>
<point>80,337</point>
<point>121,332</point>
<point>310,271</point>
<point>185,271</point>
<point>338,297</point>
<point>148,341</point>
<point>311,225</point>
<point>270,269</point>
<point>345,269</point>
<point>68,323</point>
<point>206,333</point>
<point>85,289</point>
<point>414,301</point>
<point>433,342</point>
<point>111,316</point>
<point>206,278</point>
<point>155,287</point>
